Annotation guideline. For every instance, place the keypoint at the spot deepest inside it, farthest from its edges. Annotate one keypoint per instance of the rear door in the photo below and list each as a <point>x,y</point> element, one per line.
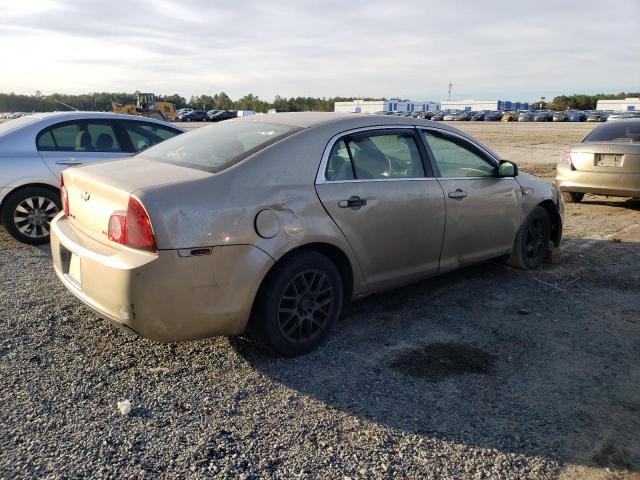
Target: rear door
<point>483,209</point>
<point>77,142</point>
<point>375,186</point>
<point>139,135</point>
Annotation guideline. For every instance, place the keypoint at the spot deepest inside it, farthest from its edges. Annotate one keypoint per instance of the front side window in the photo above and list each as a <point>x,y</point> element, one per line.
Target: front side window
<point>145,135</point>
<point>456,158</point>
<point>375,156</point>
<point>219,146</point>
<point>79,137</point>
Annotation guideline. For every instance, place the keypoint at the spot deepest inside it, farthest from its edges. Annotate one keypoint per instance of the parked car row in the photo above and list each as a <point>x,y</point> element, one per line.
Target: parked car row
<point>12,115</point>
<point>522,116</point>
<point>191,115</point>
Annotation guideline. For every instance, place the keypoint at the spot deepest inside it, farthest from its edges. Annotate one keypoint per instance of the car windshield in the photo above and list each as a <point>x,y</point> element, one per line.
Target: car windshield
<point>623,131</point>
<point>219,146</point>
<point>16,123</point>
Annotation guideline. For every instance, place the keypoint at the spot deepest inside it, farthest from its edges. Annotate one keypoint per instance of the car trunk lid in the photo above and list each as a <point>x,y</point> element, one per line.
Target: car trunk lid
<point>611,157</point>
<point>96,191</point>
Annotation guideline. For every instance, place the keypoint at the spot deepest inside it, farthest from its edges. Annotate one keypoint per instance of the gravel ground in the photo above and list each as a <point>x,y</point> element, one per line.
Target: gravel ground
<point>489,372</point>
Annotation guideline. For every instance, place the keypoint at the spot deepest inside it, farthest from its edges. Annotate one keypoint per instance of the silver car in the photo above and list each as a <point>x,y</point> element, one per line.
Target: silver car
<point>35,149</point>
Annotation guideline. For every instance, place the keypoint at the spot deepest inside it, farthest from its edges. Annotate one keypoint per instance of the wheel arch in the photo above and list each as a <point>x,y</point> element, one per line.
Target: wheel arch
<point>333,253</point>
<point>51,188</point>
<point>556,221</point>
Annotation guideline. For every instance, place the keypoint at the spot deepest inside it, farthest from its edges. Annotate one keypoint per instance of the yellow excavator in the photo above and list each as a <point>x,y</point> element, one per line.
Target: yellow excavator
<point>147,106</point>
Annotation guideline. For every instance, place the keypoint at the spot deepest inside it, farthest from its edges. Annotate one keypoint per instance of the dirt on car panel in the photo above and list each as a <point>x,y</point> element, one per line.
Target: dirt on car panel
<point>437,361</point>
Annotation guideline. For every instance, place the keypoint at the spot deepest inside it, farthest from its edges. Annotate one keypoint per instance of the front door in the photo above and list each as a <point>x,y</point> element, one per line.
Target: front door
<point>483,209</point>
<point>77,142</point>
<point>375,188</point>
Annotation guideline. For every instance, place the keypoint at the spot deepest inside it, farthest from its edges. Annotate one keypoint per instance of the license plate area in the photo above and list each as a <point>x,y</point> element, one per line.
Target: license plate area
<point>70,264</point>
<point>608,160</point>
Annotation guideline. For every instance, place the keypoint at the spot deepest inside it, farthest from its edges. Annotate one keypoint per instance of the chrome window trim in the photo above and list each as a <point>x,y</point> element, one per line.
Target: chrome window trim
<point>320,176</point>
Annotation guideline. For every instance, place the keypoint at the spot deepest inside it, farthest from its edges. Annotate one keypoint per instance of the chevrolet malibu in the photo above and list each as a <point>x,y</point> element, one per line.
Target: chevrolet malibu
<point>272,223</point>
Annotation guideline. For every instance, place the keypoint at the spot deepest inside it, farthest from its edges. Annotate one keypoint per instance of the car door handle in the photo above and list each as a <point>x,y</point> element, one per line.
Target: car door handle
<point>458,194</point>
<point>354,203</point>
<point>68,162</point>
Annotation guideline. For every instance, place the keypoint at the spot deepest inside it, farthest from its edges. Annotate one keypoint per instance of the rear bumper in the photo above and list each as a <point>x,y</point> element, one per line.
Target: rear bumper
<point>161,296</point>
<point>601,183</point>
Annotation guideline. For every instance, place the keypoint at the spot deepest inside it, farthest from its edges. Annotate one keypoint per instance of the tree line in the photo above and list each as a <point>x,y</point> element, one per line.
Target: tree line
<point>101,101</point>
<point>586,102</point>
<point>10,102</point>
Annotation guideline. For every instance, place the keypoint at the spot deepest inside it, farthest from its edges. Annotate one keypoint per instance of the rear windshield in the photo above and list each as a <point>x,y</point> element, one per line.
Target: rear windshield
<point>620,131</point>
<point>217,147</point>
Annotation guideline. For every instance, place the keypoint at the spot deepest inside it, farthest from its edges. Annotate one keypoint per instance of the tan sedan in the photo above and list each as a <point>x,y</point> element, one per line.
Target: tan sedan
<point>605,162</point>
<point>274,222</point>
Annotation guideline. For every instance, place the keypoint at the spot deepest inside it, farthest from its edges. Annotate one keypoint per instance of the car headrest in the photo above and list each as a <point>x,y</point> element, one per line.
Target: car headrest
<point>104,142</point>
<point>83,140</point>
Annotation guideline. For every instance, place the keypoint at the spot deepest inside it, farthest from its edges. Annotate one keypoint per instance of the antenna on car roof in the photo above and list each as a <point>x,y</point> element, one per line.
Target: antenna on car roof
<point>68,106</point>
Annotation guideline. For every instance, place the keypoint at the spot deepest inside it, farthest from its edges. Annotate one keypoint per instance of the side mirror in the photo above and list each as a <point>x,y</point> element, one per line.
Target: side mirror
<point>507,169</point>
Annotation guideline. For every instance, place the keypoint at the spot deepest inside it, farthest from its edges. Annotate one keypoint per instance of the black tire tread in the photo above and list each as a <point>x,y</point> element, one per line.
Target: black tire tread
<point>262,324</point>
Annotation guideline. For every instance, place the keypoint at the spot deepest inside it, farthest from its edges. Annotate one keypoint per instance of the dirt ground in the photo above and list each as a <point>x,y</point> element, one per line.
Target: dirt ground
<point>488,372</point>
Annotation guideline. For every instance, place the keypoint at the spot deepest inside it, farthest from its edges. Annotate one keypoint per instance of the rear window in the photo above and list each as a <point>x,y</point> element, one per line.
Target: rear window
<point>219,146</point>
<point>620,131</point>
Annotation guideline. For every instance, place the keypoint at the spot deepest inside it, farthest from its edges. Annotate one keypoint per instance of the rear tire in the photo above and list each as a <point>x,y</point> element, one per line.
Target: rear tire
<point>298,304</point>
<point>27,214</point>
<point>572,197</point>
<point>531,246</point>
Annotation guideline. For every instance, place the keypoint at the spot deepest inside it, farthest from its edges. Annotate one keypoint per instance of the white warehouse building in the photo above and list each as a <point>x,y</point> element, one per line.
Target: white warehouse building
<point>479,105</point>
<point>374,106</point>
<point>626,105</point>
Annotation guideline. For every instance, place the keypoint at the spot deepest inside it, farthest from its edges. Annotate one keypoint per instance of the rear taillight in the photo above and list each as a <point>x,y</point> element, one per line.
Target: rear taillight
<point>64,196</point>
<point>132,228</point>
<point>565,158</point>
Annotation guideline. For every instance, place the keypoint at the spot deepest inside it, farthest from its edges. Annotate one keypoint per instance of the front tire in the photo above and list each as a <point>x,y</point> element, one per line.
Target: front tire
<point>572,197</point>
<point>531,246</point>
<point>27,214</point>
<point>298,304</point>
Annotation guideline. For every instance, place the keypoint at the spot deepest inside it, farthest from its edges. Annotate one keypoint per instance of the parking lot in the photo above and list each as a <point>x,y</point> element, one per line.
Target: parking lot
<point>488,372</point>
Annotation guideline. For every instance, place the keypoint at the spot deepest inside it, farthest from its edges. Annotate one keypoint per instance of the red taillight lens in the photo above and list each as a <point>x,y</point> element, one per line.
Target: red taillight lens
<point>565,157</point>
<point>64,196</point>
<point>139,233</point>
<point>132,228</point>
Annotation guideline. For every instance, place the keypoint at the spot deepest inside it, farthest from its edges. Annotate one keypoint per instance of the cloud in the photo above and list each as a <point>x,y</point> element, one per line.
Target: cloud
<point>370,48</point>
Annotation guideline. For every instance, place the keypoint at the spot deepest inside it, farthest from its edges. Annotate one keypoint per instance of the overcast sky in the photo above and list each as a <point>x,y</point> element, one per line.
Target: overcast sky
<point>487,49</point>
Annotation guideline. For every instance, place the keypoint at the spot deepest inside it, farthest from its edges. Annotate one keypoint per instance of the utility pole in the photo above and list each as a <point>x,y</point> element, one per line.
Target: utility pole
<point>450,85</point>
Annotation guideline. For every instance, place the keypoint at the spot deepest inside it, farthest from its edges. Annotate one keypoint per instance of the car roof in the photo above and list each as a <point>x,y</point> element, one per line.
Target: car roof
<point>42,120</point>
<point>340,122</point>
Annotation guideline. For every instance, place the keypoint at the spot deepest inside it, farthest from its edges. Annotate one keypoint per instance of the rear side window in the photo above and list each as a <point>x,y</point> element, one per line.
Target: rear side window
<point>145,135</point>
<point>375,156</point>
<point>620,131</point>
<point>219,146</point>
<point>79,137</point>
